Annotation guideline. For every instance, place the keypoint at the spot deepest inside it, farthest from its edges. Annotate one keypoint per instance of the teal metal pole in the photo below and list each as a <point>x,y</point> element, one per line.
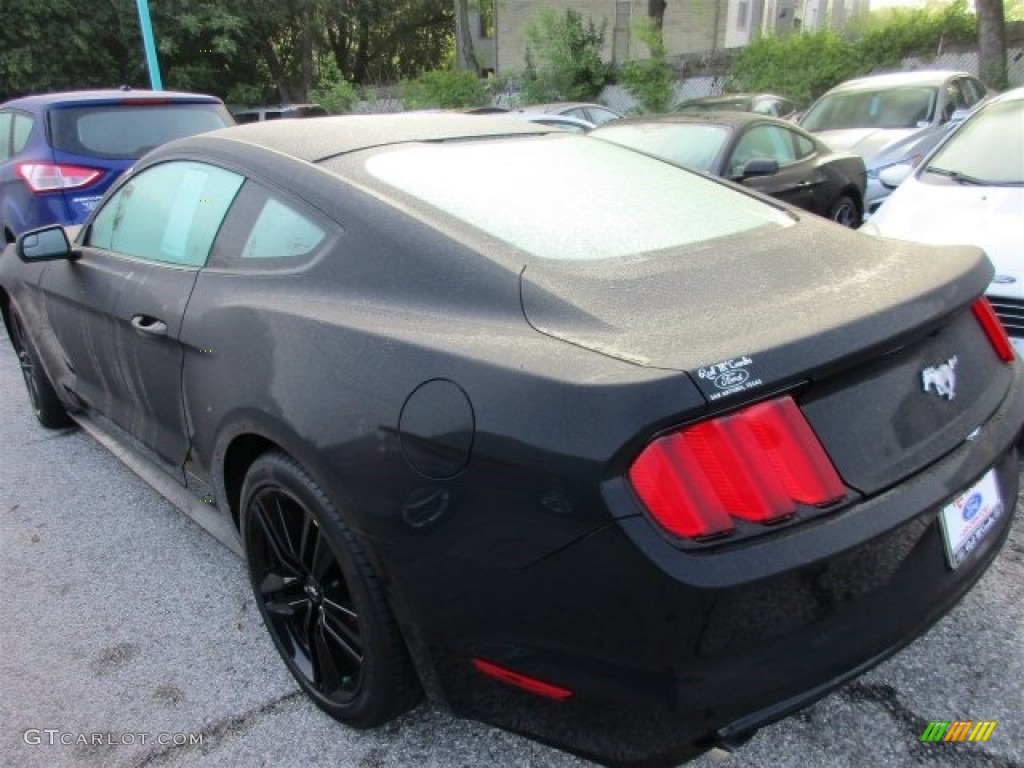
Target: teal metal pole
<point>147,40</point>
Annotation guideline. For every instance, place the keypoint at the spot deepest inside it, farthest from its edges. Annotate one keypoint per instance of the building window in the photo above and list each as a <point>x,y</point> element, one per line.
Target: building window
<point>486,19</point>
<point>741,14</point>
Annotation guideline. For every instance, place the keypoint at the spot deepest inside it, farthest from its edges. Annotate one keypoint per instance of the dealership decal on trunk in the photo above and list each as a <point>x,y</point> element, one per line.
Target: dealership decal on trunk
<point>728,377</point>
<point>942,378</point>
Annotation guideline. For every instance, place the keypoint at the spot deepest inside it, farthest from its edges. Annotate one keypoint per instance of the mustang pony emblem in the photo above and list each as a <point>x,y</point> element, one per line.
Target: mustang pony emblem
<point>942,377</point>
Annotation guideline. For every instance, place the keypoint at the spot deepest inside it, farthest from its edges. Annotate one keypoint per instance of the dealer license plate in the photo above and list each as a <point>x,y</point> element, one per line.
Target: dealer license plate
<point>967,519</point>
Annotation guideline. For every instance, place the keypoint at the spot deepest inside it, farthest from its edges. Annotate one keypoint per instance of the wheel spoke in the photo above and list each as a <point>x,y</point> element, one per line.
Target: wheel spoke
<point>309,544</point>
<point>351,649</point>
<point>344,624</point>
<point>329,677</point>
<point>323,560</point>
<point>273,538</point>
<point>285,530</point>
<point>283,596</point>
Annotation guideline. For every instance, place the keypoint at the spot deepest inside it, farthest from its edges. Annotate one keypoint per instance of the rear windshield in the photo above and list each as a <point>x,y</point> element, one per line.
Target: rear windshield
<point>570,197</point>
<point>128,131</point>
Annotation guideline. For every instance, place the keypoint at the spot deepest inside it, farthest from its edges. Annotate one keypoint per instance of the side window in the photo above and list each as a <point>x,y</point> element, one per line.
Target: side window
<point>974,91</point>
<point>804,146</point>
<point>762,142</point>
<point>169,213</point>
<point>22,129</point>
<point>5,135</point>
<point>955,98</point>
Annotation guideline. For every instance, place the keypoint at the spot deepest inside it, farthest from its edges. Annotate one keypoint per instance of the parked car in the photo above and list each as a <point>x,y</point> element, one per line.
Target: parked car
<point>766,154</point>
<point>595,114</point>
<point>970,189</point>
<point>761,103</point>
<point>59,152</point>
<point>281,111</point>
<point>892,119</point>
<point>590,447</point>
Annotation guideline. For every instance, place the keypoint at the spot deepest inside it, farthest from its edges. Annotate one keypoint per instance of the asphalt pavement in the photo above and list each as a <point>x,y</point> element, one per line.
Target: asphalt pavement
<point>128,638</point>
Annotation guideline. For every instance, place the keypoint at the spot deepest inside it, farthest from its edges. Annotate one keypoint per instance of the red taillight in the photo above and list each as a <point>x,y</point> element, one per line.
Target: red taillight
<point>52,177</point>
<point>755,464</point>
<point>530,684</point>
<point>994,329</point>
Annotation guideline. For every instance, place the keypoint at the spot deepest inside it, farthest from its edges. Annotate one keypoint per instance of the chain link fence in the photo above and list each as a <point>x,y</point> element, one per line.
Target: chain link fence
<point>619,99</point>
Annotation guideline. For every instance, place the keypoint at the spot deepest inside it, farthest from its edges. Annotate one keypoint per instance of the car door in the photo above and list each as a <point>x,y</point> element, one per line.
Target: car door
<point>140,256</point>
<point>797,178</point>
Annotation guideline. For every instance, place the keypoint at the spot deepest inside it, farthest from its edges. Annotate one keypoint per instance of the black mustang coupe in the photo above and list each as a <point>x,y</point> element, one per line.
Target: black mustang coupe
<point>579,443</point>
<point>769,155</point>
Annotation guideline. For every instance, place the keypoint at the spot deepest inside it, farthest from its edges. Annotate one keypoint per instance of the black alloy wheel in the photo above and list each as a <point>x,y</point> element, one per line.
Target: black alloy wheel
<point>320,598</point>
<point>845,211</point>
<point>46,406</point>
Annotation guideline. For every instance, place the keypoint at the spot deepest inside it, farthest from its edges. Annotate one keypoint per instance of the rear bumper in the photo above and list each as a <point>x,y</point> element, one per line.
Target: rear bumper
<point>668,653</point>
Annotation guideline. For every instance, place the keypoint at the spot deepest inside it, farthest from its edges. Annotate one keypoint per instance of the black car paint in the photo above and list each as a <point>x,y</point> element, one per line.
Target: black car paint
<point>500,517</point>
<point>813,183</point>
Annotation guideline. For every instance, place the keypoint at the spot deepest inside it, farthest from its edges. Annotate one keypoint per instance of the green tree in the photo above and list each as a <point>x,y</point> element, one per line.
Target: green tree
<point>800,66</point>
<point>445,89</point>
<point>563,57</point>
<point>651,80</point>
<point>48,45</point>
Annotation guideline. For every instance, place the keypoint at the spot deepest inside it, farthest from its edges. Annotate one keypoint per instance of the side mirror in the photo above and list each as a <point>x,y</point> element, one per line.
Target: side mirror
<point>895,175</point>
<point>760,167</point>
<point>46,244</point>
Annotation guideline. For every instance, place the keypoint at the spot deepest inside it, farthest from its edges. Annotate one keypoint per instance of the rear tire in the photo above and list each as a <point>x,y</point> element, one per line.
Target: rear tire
<point>320,598</point>
<point>844,211</point>
<point>47,407</point>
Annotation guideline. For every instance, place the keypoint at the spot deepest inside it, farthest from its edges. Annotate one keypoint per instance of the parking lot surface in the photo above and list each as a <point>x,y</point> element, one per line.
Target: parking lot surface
<point>128,637</point>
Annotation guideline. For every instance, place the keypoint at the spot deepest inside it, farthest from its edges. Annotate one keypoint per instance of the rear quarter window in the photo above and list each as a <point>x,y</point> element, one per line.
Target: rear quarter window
<point>22,130</point>
<point>5,134</point>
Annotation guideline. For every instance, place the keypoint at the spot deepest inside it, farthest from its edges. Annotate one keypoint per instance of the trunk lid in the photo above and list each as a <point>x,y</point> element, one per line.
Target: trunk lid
<point>854,320</point>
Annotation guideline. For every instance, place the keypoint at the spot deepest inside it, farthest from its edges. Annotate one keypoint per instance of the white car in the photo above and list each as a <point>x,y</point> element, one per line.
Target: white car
<point>970,189</point>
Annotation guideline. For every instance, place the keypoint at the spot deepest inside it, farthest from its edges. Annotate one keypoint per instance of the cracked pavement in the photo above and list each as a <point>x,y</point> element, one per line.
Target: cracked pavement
<point>121,617</point>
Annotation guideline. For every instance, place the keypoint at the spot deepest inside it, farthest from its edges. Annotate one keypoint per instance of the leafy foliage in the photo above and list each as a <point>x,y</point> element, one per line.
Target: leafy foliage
<point>804,66</point>
<point>335,93</point>
<point>40,50</point>
<point>231,48</point>
<point>563,57</point>
<point>444,88</point>
<point>801,67</point>
<point>650,80</point>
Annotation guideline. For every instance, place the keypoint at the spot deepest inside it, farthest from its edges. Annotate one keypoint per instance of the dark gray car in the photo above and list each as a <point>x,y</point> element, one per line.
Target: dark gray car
<point>891,119</point>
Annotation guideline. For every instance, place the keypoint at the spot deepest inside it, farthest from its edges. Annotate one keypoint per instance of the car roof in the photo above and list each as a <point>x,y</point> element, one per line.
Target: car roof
<point>724,117</point>
<point>895,79</point>
<point>555,106</point>
<point>106,96</point>
<point>1015,94</point>
<point>320,138</point>
<point>727,97</point>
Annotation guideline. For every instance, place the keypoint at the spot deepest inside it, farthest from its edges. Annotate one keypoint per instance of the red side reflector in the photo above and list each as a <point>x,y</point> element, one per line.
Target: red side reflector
<point>53,177</point>
<point>756,464</point>
<point>994,329</point>
<point>530,684</point>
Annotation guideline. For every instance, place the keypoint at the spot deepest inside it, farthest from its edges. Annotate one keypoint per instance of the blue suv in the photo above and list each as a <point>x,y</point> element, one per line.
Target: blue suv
<point>59,152</point>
